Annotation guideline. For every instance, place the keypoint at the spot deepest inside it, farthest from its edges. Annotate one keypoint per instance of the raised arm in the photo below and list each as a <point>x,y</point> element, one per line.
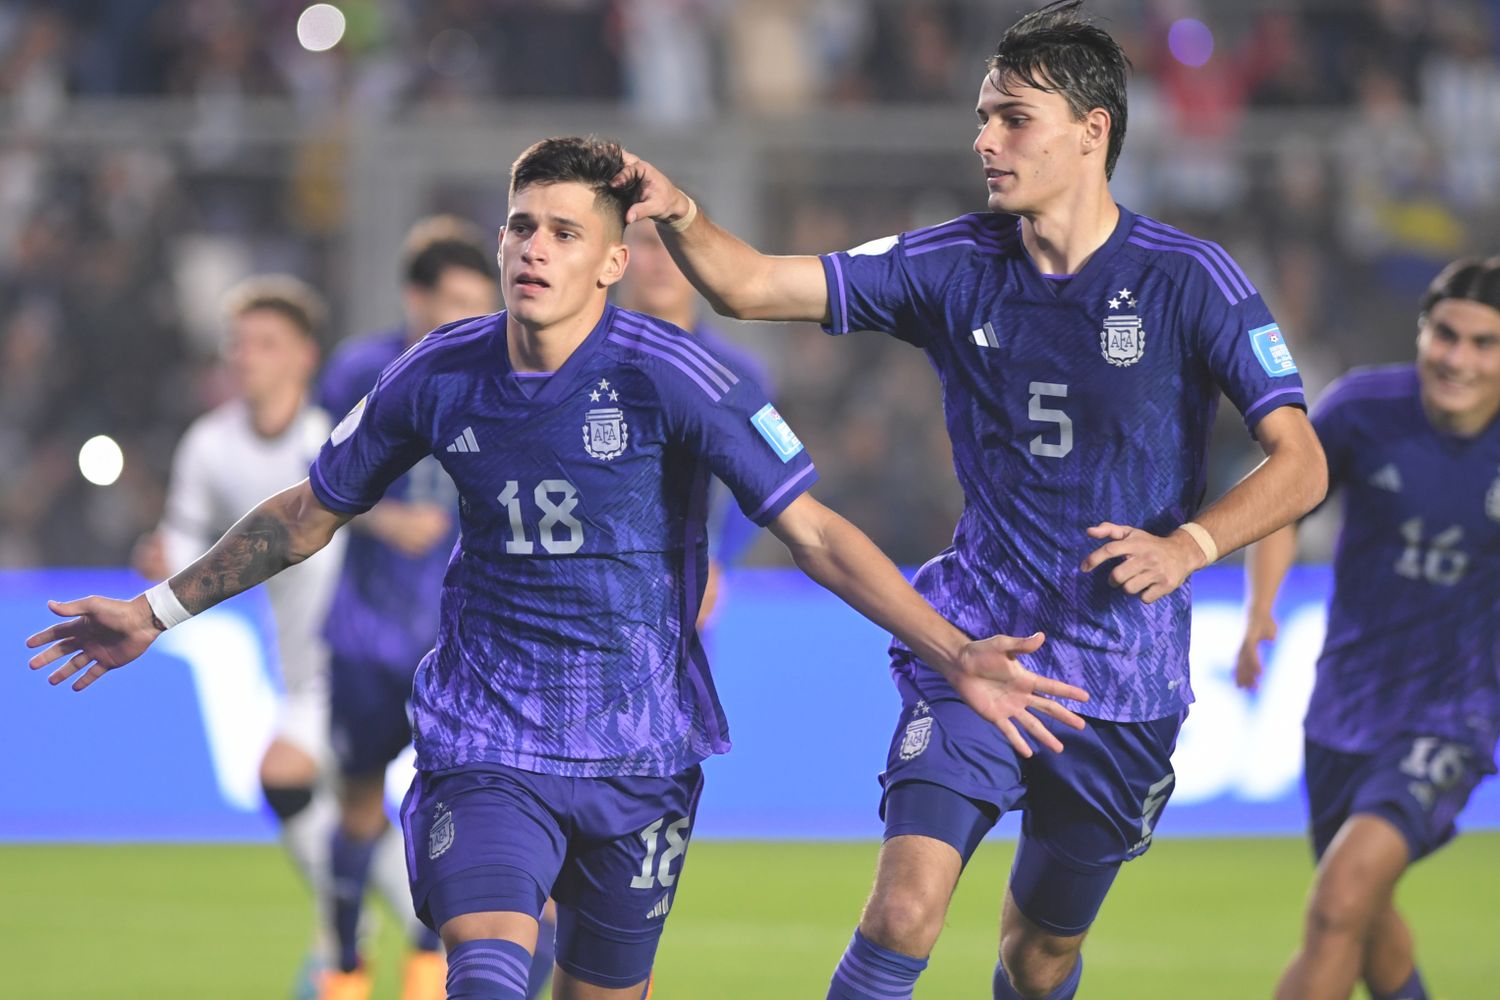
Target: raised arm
<point>104,634</point>
<point>737,280</point>
<point>1290,482</point>
<point>985,673</point>
<point>1266,564</point>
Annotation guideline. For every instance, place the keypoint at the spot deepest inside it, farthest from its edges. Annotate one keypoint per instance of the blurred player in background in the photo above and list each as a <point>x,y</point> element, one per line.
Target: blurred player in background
<point>1082,350</point>
<point>1405,713</point>
<point>655,285</point>
<point>561,719</point>
<point>384,617</point>
<point>229,460</point>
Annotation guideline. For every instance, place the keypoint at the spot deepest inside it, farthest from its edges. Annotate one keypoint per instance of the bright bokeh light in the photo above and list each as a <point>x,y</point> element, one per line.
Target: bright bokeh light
<point>1190,41</point>
<point>320,27</point>
<point>100,460</point>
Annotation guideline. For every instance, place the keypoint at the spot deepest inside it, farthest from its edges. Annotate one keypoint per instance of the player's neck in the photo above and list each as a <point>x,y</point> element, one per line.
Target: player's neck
<point>546,348</point>
<point>272,415</point>
<point>1061,238</point>
<point>1469,424</point>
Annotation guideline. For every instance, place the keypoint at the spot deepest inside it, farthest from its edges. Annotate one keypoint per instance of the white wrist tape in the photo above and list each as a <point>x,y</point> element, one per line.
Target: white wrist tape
<point>1204,539</point>
<point>165,605</point>
<point>678,225</point>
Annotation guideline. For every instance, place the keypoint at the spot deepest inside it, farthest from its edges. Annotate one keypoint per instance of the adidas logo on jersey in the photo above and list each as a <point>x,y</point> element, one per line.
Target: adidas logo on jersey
<point>660,909</point>
<point>1387,478</point>
<point>985,336</point>
<point>465,442</point>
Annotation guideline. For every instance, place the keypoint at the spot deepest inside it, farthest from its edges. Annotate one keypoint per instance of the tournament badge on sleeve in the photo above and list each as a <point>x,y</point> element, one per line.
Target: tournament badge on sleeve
<point>605,432</point>
<point>1122,341</point>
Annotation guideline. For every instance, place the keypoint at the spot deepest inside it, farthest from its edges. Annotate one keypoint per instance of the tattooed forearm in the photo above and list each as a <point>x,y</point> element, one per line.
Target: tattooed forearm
<point>257,548</point>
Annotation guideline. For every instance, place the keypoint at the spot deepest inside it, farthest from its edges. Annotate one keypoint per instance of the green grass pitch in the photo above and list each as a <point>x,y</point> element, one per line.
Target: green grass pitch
<point>1194,918</point>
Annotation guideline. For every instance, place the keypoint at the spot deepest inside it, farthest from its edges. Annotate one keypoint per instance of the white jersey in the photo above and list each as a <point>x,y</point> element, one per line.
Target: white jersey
<point>223,468</point>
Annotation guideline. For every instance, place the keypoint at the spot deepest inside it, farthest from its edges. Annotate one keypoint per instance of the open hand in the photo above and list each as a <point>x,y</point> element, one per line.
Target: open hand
<point>1150,565</point>
<point>998,686</point>
<point>105,633</point>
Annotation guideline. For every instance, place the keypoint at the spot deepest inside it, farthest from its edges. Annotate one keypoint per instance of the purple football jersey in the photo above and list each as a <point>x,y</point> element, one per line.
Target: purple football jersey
<point>1070,403</point>
<point>1413,642</point>
<point>566,641</point>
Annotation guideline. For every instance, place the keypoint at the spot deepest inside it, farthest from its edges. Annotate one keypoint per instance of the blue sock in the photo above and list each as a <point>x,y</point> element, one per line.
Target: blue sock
<point>1066,989</point>
<point>541,961</point>
<point>870,972</point>
<point>1412,989</point>
<point>351,873</point>
<point>488,969</point>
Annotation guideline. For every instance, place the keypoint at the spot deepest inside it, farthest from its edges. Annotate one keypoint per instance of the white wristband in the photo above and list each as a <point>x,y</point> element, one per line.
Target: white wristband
<point>165,605</point>
<point>679,225</point>
<point>1205,541</point>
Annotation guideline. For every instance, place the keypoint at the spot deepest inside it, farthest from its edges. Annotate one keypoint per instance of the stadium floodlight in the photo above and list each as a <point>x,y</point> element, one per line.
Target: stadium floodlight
<point>320,27</point>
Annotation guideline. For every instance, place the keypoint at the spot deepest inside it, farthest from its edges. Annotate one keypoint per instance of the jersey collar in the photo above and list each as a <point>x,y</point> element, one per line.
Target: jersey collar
<point>555,386</point>
<point>1088,276</point>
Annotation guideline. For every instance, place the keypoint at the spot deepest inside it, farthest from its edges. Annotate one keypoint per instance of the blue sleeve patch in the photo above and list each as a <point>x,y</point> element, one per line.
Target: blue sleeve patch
<point>1271,350</point>
<point>777,434</point>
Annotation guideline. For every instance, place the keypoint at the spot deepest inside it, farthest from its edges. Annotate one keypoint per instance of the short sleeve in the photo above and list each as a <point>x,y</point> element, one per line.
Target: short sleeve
<point>377,441</point>
<point>1248,356</point>
<point>873,287</point>
<point>1330,418</point>
<point>747,445</point>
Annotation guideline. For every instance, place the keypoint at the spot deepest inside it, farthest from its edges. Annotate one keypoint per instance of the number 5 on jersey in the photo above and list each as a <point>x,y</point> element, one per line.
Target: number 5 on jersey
<point>1046,415</point>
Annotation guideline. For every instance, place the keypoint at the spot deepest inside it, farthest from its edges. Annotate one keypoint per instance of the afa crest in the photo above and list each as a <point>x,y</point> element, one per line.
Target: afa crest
<point>1122,341</point>
<point>441,837</point>
<point>605,433</point>
<point>918,734</point>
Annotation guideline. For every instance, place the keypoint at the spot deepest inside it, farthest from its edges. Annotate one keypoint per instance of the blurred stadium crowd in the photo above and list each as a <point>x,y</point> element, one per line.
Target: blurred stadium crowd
<point>1342,150</point>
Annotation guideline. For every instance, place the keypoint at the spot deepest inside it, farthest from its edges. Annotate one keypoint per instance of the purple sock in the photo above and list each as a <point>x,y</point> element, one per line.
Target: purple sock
<point>1066,990</point>
<point>870,972</point>
<point>488,969</point>
<point>351,873</point>
<point>1412,989</point>
<point>541,962</point>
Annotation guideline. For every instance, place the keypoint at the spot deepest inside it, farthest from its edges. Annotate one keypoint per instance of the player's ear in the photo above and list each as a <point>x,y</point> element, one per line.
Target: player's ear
<point>1096,128</point>
<point>615,263</point>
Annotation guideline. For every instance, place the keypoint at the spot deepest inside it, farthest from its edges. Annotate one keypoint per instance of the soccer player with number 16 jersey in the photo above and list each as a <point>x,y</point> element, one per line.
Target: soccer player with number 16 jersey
<point>1405,713</point>
<point>561,719</point>
<point>1082,349</point>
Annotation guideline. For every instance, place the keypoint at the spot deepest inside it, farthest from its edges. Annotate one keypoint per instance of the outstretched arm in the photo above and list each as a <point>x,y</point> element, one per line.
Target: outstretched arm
<point>104,634</point>
<point>737,280</point>
<point>1290,482</point>
<point>1266,565</point>
<point>985,673</point>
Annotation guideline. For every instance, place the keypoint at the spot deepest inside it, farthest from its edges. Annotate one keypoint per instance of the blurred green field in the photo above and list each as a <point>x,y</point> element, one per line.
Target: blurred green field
<point>1194,918</point>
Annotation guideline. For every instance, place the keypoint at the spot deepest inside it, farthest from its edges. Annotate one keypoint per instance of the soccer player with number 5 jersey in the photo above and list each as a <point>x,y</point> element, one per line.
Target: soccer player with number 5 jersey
<point>1405,713</point>
<point>561,719</point>
<point>1082,349</point>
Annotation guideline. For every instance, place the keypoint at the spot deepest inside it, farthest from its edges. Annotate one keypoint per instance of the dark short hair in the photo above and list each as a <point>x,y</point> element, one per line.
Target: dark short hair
<point>582,160</point>
<point>289,297</point>
<point>1473,278</point>
<point>440,242</point>
<point>1059,49</point>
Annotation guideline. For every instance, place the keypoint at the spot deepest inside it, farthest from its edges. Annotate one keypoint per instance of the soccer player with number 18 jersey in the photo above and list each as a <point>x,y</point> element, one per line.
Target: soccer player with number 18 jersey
<point>561,719</point>
<point>1405,713</point>
<point>1081,349</point>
